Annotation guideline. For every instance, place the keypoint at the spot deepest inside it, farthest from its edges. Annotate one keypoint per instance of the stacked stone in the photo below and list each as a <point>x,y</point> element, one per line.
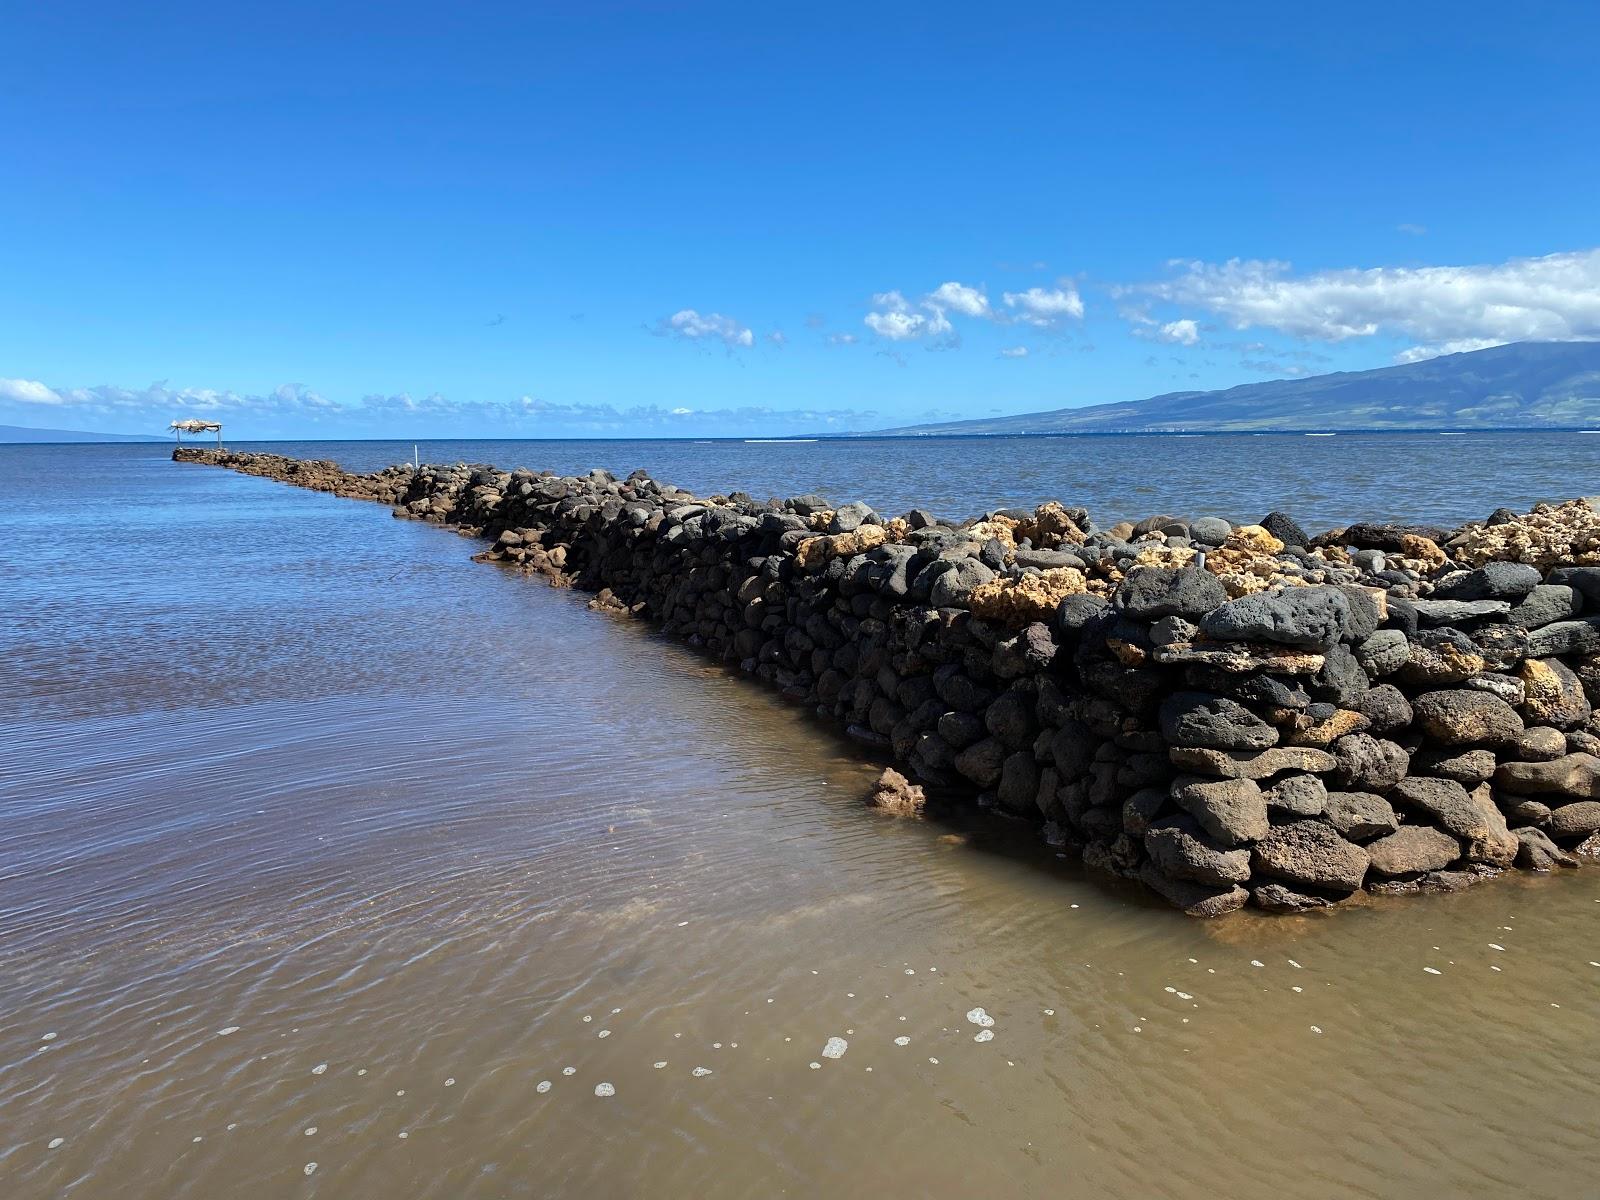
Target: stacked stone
<point>1229,714</point>
<point>318,474</point>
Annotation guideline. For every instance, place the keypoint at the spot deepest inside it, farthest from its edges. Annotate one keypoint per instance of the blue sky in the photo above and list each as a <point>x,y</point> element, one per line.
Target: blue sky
<point>530,220</point>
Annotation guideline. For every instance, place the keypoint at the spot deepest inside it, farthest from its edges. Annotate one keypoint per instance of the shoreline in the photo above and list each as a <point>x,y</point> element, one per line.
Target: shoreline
<point>1287,720</point>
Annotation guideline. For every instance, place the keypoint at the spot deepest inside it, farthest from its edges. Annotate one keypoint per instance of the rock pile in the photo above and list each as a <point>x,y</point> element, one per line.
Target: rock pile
<point>897,795</point>
<point>1229,714</point>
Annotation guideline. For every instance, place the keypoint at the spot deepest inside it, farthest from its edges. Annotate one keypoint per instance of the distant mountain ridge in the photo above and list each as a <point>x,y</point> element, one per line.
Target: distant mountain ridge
<point>23,433</point>
<point>1526,385</point>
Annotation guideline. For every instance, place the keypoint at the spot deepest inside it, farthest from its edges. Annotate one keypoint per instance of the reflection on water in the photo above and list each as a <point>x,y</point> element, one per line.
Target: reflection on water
<point>336,864</point>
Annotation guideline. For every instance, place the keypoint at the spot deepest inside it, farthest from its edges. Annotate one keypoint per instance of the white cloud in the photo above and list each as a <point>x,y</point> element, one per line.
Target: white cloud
<point>294,410</point>
<point>958,297</point>
<point>1411,229</point>
<point>898,319</point>
<point>1045,307</point>
<point>694,326</point>
<point>1014,352</point>
<point>1553,298</point>
<point>1182,332</point>
<point>777,338</point>
<point>1459,346</point>
<point>902,326</point>
<point>842,339</point>
<point>27,391</point>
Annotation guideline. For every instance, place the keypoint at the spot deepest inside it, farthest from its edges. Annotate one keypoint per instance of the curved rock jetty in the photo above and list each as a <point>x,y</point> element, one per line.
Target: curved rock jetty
<point>1229,714</point>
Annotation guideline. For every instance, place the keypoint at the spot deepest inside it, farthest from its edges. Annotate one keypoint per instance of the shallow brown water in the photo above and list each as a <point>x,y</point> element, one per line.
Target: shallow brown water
<point>398,838</point>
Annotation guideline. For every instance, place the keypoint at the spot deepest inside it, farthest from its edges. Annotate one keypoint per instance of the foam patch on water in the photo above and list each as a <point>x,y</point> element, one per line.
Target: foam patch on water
<point>543,1086</point>
<point>984,1035</point>
<point>835,1048</point>
<point>902,1040</point>
<point>700,1072</point>
<point>604,1089</point>
<point>979,1017</point>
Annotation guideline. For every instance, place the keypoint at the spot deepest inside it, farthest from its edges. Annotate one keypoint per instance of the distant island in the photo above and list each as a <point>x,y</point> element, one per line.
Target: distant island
<point>1526,385</point>
<point>24,433</point>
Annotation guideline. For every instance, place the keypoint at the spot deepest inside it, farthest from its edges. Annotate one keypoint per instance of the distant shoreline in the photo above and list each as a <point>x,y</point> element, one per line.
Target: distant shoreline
<point>822,438</point>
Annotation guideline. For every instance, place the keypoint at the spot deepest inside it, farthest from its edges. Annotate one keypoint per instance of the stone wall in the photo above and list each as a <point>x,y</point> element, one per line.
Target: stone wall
<point>1229,714</point>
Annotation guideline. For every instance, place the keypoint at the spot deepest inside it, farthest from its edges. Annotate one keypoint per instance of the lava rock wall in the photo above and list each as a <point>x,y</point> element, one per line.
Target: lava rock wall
<point>1229,714</point>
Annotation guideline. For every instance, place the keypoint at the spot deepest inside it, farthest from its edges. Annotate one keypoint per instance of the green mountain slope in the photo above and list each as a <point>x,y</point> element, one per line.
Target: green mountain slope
<point>1533,385</point>
<point>24,433</point>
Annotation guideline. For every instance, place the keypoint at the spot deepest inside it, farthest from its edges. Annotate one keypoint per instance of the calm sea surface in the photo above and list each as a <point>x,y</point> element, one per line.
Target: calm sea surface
<point>334,864</point>
<point>1321,481</point>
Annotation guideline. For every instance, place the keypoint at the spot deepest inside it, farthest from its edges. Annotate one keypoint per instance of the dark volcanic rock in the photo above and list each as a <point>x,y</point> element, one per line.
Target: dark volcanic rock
<point>1285,529</point>
<point>1492,581</point>
<point>982,762</point>
<point>1538,744</point>
<point>1576,775</point>
<point>1140,809</point>
<point>1197,719</point>
<point>1244,764</point>
<point>1585,580</point>
<point>1456,612</point>
<point>1536,852</point>
<point>1077,611</point>
<point>1460,718</point>
<point>1279,898</point>
<point>1385,707</point>
<point>1360,816</point>
<point>1311,853</point>
<point>1148,593</point>
<point>1231,810</point>
<point>1182,850</point>
<point>1368,764</point>
<point>1341,680</point>
<point>1565,637</point>
<point>1211,531</point>
<point>1193,898</point>
<point>1575,820</point>
<point>1384,653</point>
<point>1372,536</point>
<point>952,587</point>
<point>1412,850</point>
<point>1297,795</point>
<point>849,517</point>
<point>1469,767</point>
<point>1448,805</point>
<point>1545,605</point>
<point>1313,617</point>
<point>1019,783</point>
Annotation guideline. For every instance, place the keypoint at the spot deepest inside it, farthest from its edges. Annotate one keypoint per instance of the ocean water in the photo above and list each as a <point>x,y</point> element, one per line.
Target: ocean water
<point>1321,481</point>
<point>333,863</point>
